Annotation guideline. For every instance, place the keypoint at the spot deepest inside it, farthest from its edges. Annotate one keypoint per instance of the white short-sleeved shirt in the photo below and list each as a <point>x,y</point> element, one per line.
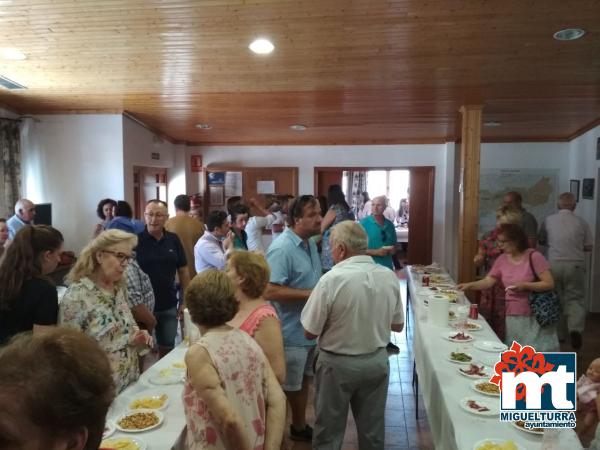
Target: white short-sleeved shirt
<point>353,306</point>
<point>254,229</point>
<point>566,234</point>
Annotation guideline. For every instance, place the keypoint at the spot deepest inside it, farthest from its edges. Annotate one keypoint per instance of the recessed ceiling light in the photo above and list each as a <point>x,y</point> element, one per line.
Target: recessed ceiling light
<point>12,53</point>
<point>569,34</point>
<point>203,126</point>
<point>492,123</point>
<point>261,46</point>
<point>298,127</point>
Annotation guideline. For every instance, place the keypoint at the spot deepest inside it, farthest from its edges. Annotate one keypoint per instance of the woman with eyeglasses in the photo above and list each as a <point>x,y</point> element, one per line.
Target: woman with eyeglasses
<point>95,303</point>
<point>28,299</point>
<point>514,268</point>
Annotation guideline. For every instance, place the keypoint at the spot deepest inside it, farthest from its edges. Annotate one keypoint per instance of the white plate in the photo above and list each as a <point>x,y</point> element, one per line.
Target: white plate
<point>109,429</point>
<point>493,406</point>
<point>537,433</point>
<point>148,394</point>
<point>490,346</point>
<point>488,373</point>
<point>476,389</point>
<point>460,362</point>
<point>471,326</point>
<point>454,333</point>
<point>480,444</point>
<point>160,416</point>
<point>141,444</point>
<point>167,376</point>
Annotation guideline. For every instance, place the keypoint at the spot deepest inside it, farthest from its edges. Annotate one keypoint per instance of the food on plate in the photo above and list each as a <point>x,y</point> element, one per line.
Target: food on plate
<point>153,402</point>
<point>521,425</point>
<point>433,288</point>
<point>451,315</point>
<point>470,326</point>
<point>165,373</point>
<point>474,370</point>
<point>138,421</point>
<point>487,387</point>
<point>461,357</point>
<point>119,444</point>
<point>460,336</point>
<point>179,365</point>
<point>490,445</point>
<point>477,407</point>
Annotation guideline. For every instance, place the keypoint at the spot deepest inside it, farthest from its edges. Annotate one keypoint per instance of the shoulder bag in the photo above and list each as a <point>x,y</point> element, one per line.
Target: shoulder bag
<point>545,305</point>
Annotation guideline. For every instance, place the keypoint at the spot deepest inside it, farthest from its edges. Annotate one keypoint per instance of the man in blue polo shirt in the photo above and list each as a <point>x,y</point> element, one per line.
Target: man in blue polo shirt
<point>161,255</point>
<point>381,235</point>
<point>295,269</point>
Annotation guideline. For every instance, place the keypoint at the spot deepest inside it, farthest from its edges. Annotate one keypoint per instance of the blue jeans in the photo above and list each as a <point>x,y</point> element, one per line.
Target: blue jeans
<point>166,327</point>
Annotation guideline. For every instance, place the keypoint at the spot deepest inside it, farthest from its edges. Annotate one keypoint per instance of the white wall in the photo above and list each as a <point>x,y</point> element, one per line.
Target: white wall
<point>72,161</point>
<point>583,164</point>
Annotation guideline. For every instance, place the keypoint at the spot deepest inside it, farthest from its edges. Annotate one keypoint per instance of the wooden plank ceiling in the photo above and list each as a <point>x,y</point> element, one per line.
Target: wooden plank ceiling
<point>352,71</point>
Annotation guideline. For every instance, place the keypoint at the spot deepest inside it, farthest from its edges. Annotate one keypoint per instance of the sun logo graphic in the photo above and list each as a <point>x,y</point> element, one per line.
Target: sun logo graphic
<point>536,388</point>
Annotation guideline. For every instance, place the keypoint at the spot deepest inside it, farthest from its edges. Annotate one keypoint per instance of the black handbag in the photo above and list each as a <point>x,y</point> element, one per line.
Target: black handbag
<point>545,305</point>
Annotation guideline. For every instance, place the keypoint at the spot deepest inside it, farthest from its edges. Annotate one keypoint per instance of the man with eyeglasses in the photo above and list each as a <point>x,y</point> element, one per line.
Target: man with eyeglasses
<point>161,255</point>
<point>24,215</point>
<point>381,235</point>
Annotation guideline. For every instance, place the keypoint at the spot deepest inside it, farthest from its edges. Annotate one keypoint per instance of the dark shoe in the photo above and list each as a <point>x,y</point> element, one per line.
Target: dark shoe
<point>303,435</point>
<point>392,348</point>
<point>576,340</point>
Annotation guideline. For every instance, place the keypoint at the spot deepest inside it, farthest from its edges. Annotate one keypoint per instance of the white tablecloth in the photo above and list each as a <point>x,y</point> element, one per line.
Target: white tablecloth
<point>401,234</point>
<point>168,434</point>
<point>443,387</point>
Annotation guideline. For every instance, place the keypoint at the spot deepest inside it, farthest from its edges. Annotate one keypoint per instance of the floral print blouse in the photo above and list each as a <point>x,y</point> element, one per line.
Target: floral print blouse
<point>106,318</point>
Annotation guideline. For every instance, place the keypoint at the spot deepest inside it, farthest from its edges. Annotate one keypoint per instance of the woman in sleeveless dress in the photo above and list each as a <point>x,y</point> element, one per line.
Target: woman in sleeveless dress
<point>231,397</point>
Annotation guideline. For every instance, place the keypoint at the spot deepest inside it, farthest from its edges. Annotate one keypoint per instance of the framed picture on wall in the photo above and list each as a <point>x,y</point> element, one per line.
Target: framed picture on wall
<point>587,189</point>
<point>574,189</point>
<point>217,197</point>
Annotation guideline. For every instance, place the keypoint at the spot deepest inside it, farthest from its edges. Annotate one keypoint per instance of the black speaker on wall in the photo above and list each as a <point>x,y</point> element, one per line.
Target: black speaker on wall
<point>43,214</point>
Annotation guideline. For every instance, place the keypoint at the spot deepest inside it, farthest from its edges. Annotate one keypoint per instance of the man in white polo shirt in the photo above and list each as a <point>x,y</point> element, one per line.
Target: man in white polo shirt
<point>568,237</point>
<point>351,310</point>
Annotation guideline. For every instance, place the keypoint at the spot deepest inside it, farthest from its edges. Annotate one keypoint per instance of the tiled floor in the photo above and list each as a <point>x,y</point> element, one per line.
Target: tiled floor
<point>403,430</point>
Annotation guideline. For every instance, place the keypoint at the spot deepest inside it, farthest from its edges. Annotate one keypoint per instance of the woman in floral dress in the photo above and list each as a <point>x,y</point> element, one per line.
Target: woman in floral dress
<point>231,397</point>
<point>491,302</point>
<point>338,212</point>
<point>95,302</point>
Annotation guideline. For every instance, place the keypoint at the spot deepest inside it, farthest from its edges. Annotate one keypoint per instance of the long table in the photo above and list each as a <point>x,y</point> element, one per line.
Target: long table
<point>169,435</point>
<point>443,387</point>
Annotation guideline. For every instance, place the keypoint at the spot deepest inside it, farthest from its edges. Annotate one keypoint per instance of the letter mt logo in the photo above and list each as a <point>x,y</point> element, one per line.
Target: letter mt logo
<point>537,389</point>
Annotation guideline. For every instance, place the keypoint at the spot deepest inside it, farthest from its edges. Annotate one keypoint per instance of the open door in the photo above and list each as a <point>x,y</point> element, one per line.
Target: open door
<point>325,178</point>
<point>420,221</point>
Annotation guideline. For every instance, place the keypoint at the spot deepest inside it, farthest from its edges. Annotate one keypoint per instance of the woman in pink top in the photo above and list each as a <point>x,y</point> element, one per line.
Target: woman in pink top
<point>250,274</point>
<point>231,398</point>
<point>513,269</point>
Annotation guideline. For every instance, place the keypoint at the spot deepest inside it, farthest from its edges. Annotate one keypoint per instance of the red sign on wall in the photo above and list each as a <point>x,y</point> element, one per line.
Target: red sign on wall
<point>196,163</point>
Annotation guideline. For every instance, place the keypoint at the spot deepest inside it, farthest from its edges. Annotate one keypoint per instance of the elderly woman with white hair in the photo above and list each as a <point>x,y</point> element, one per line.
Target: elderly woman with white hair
<point>95,303</point>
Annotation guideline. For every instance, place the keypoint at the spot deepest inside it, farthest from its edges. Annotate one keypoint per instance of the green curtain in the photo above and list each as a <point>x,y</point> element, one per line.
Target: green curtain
<point>10,175</point>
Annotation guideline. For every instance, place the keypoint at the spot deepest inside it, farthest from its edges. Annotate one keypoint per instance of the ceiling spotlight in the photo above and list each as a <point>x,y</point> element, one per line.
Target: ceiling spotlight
<point>203,126</point>
<point>569,34</point>
<point>492,123</point>
<point>12,53</point>
<point>298,127</point>
<point>261,46</point>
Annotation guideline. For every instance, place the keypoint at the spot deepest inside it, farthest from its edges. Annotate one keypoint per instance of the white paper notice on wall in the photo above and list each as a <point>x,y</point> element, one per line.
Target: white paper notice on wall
<point>265,187</point>
<point>233,184</point>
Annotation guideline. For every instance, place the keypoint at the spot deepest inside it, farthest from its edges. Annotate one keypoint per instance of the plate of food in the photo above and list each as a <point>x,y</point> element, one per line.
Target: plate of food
<point>167,376</point>
<point>149,400</point>
<point>123,443</point>
<point>486,388</point>
<point>458,336</point>
<point>109,429</point>
<point>497,444</point>
<point>139,420</point>
<point>475,371</point>
<point>469,326</point>
<point>179,365</point>
<point>490,346</point>
<point>480,407</point>
<point>460,358</point>
<point>519,424</point>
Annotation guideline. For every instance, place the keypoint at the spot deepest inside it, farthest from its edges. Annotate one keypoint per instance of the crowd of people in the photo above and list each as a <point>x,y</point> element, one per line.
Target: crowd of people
<point>319,302</point>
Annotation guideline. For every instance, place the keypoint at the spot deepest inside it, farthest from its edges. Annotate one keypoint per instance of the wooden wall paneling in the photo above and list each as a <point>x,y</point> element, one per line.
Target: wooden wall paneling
<point>420,221</point>
<point>325,178</point>
<point>470,150</point>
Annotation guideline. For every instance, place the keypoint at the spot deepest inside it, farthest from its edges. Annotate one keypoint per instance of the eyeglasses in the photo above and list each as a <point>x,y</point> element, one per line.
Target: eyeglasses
<point>122,257</point>
<point>157,215</point>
